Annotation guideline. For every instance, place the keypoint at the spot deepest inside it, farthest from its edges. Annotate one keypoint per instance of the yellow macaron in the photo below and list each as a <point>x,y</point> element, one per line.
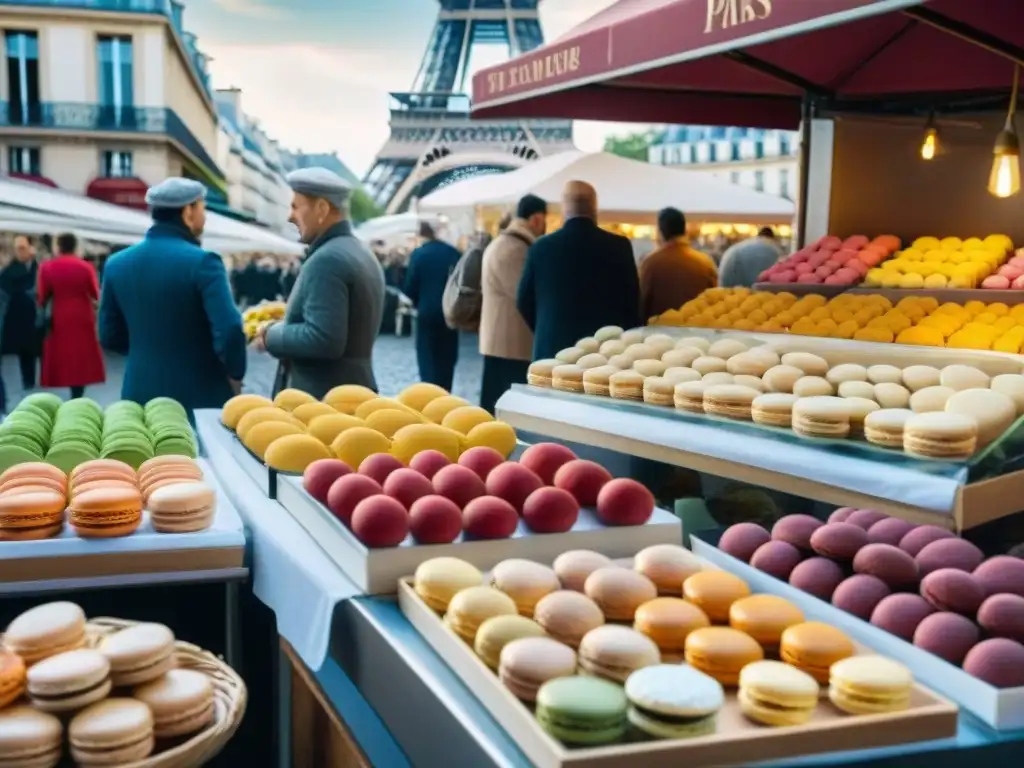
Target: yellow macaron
<point>870,685</point>
<point>773,693</point>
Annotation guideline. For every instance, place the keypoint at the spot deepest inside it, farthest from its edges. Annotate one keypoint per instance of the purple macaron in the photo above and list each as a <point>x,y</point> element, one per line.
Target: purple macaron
<point>891,564</point>
<point>742,540</point>
<point>818,576</point>
<point>840,541</point>
<point>840,515</point>
<point>865,518</point>
<point>889,531</point>
<point>777,558</point>
<point>948,635</point>
<point>860,595</point>
<point>1003,616</point>
<point>949,589</point>
<point>949,553</point>
<point>796,530</point>
<point>900,614</point>
<point>1001,575</point>
<point>999,662</point>
<point>919,538</point>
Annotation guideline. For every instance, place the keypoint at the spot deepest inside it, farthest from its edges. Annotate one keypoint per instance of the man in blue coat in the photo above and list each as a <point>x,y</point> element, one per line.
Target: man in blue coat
<point>578,278</point>
<point>166,304</point>
<point>437,345</point>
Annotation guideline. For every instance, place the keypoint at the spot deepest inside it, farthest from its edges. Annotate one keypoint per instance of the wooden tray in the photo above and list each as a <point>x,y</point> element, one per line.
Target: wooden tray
<point>999,708</point>
<point>377,571</point>
<point>737,742</point>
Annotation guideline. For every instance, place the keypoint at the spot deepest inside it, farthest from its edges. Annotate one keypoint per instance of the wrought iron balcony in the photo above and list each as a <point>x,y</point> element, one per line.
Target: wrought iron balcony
<point>100,117</point>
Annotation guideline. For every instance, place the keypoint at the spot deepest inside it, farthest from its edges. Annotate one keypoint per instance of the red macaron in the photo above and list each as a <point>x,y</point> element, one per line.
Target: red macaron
<point>320,476</point>
<point>583,479</point>
<point>379,466</point>
<point>458,483</point>
<point>428,463</point>
<point>490,517</point>
<point>624,502</point>
<point>481,459</point>
<point>435,520</point>
<point>550,510</point>
<point>544,459</point>
<point>514,483</point>
<point>347,491</point>
<point>406,485</point>
<point>380,521</point>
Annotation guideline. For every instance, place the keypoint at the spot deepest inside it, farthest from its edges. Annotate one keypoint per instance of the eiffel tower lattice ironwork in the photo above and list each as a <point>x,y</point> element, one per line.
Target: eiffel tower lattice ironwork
<point>433,142</point>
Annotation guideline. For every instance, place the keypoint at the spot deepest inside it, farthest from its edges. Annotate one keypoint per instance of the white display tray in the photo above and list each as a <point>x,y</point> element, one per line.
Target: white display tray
<point>264,477</point>
<point>377,571</point>
<point>999,708</point>
<point>737,741</point>
<point>68,556</point>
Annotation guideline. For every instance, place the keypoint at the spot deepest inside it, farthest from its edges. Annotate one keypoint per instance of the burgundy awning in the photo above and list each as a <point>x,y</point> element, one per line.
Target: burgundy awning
<point>34,179</point>
<point>127,192</point>
<point>750,62</point>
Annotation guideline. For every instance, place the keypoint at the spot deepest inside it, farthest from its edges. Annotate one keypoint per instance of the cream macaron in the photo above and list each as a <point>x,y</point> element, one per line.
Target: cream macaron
<point>940,435</point>
<point>822,416</point>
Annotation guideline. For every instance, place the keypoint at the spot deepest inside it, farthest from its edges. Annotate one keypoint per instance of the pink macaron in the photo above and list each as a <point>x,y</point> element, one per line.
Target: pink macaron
<point>1001,574</point>
<point>860,595</point>
<point>901,613</point>
<point>949,553</point>
<point>817,576</point>
<point>891,564</point>
<point>777,558</point>
<point>948,635</point>
<point>796,530</point>
<point>1003,616</point>
<point>839,541</point>
<point>742,540</point>
<point>920,537</point>
<point>999,662</point>
<point>949,589</point>
<point>889,531</point>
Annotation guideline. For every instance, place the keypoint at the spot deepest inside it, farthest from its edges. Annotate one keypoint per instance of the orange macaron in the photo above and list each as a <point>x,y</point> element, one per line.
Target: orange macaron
<point>12,677</point>
<point>101,469</point>
<point>106,512</point>
<point>165,461</point>
<point>722,652</point>
<point>181,472</point>
<point>33,481</point>
<point>31,516</point>
<point>714,592</point>
<point>33,470</point>
<point>92,485</point>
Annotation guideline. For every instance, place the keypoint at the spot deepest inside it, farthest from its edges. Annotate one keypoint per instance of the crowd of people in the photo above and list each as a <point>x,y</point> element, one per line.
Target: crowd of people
<point>173,308</point>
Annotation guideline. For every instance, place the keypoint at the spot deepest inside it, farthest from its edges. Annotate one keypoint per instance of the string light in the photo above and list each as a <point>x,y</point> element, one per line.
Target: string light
<point>1004,179</point>
<point>930,145</point>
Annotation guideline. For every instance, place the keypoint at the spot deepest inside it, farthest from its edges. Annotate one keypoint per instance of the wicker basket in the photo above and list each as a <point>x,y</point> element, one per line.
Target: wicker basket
<point>229,694</point>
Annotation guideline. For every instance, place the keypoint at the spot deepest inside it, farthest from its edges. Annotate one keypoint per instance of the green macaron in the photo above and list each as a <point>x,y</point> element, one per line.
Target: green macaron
<point>177,447</point>
<point>70,453</point>
<point>46,401</point>
<point>34,410</point>
<point>129,407</point>
<point>11,454</point>
<point>673,701</point>
<point>25,437</point>
<point>582,711</point>
<point>160,406</point>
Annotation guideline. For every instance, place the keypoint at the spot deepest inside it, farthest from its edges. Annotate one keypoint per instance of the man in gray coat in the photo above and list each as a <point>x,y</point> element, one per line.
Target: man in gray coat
<point>335,308</point>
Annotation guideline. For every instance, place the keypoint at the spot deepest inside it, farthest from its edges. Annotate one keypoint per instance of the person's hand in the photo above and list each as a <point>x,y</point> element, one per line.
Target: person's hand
<point>259,341</point>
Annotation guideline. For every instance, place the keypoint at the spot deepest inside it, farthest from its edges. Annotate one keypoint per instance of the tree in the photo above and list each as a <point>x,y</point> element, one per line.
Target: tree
<point>363,207</point>
<point>632,145</point>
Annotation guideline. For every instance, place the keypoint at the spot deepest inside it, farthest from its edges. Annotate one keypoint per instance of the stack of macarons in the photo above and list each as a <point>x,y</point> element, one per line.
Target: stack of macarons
<point>169,427</point>
<point>480,494</point>
<point>122,697</point>
<point>33,497</point>
<point>919,582</point>
<point>105,501</point>
<point>25,433</point>
<point>541,627</point>
<point>352,422</point>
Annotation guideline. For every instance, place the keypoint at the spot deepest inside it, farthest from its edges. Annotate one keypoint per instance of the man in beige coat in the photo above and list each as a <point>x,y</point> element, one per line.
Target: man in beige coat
<point>506,342</point>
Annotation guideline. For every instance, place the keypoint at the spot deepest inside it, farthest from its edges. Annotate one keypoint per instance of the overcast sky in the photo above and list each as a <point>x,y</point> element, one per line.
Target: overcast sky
<point>317,73</point>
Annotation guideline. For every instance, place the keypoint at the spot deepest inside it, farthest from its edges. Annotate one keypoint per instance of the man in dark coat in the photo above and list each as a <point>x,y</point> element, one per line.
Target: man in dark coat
<point>333,316</point>
<point>166,304</point>
<point>20,336</point>
<point>437,345</point>
<point>578,278</point>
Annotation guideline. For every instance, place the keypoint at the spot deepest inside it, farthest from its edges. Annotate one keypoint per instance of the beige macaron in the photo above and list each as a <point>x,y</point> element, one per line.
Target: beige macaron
<point>659,391</point>
<point>732,401</point>
<point>961,377</point>
<point>930,399</point>
<point>694,341</point>
<point>811,365</point>
<point>539,372</point>
<point>680,374</point>
<point>612,347</point>
<point>567,378</point>
<point>689,396</point>
<point>859,408</point>
<point>754,382</point>
<point>1012,385</point>
<point>569,355</point>
<point>626,385</point>
<point>774,409</point>
<point>660,342</point>
<point>813,386</point>
<point>726,348</point>
<point>821,416</point>
<point>608,333</point>
<point>650,367</point>
<point>888,394</point>
<point>718,377</point>
<point>918,377</point>
<point>940,435</point>
<point>749,364</point>
<point>709,364</point>
<point>592,360</point>
<point>857,389</point>
<point>993,411</point>
<point>632,336</point>
<point>642,352</point>
<point>595,380</point>
<point>681,357</point>
<point>846,372</point>
<point>588,344</point>
<point>781,378</point>
<point>885,374</point>
<point>884,427</point>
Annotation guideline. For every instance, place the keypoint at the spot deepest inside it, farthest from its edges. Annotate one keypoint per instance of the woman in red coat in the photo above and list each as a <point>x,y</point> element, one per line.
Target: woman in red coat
<point>71,352</point>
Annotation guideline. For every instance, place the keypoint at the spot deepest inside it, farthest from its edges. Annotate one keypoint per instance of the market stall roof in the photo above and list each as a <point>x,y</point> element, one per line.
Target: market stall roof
<point>80,213</point>
<point>627,190</point>
<point>750,62</point>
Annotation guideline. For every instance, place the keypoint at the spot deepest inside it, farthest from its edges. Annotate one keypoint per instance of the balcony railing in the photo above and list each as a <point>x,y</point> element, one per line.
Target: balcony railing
<point>100,117</point>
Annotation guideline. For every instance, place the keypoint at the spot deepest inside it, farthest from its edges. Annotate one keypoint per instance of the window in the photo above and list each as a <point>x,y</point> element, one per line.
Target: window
<point>117,165</point>
<point>784,183</point>
<point>734,151</point>
<point>116,95</point>
<point>734,177</point>
<point>759,149</point>
<point>24,160</point>
<point>23,78</point>
<point>759,181</point>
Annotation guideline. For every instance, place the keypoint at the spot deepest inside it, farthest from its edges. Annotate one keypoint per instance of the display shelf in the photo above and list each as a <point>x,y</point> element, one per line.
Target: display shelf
<point>1000,708</point>
<point>67,557</point>
<point>377,571</point>
<point>737,740</point>
<point>956,295</point>
<point>803,289</point>
<point>916,490</point>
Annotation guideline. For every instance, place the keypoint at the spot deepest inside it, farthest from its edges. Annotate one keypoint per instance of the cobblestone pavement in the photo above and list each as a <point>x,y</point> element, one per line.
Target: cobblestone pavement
<point>394,360</point>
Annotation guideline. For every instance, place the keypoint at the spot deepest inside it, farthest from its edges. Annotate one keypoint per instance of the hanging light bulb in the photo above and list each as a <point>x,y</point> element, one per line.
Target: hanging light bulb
<point>1004,179</point>
<point>930,145</point>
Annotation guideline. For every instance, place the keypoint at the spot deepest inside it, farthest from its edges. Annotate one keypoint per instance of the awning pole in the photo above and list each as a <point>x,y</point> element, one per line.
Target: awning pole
<point>806,117</point>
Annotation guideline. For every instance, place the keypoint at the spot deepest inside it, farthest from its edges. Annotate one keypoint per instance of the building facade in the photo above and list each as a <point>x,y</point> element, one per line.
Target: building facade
<point>106,98</point>
<point>765,160</point>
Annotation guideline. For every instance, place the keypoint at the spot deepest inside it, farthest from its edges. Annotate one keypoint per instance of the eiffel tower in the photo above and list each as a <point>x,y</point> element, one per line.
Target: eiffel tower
<point>433,142</point>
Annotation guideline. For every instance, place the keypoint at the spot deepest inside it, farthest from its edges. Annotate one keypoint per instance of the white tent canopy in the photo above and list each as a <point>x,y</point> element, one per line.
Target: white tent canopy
<point>37,205</point>
<point>628,191</point>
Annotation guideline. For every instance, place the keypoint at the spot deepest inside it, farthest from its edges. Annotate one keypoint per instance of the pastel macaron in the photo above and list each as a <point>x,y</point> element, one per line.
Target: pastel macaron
<point>69,681</point>
<point>870,685</point>
<point>582,711</point>
<point>106,512</point>
<point>12,677</point>
<point>525,581</point>
<point>182,702</point>
<point>31,516</point>
<point>472,606</point>
<point>29,737</point>
<point>139,653</point>
<point>112,732</point>
<point>46,630</point>
<point>439,579</point>
<point>614,652</point>
<point>567,616</point>
<point>528,663</point>
<point>182,507</point>
<point>673,701</point>
<point>814,647</point>
<point>498,631</point>
<point>774,693</point>
<point>722,652</point>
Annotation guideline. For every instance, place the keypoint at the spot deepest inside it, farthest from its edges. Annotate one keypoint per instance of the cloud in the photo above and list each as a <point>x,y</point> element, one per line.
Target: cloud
<point>256,9</point>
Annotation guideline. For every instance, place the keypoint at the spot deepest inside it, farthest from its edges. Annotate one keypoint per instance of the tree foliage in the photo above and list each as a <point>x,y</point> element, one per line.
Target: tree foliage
<point>363,207</point>
<point>632,145</point>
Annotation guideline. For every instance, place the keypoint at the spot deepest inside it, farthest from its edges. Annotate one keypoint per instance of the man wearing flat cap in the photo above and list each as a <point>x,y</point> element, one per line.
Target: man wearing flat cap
<point>166,303</point>
<point>326,337</point>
